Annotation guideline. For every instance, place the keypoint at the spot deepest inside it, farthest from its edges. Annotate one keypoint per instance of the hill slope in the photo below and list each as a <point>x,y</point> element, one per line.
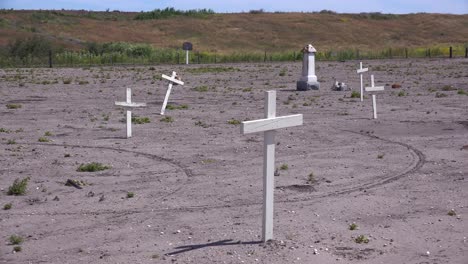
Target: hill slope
<point>240,32</point>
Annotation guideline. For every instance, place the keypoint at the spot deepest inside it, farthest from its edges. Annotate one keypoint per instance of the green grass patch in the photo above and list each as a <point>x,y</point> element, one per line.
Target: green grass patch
<point>18,187</point>
<point>176,107</point>
<point>284,167</point>
<point>43,139</point>
<point>7,206</point>
<point>140,120</point>
<point>15,240</point>
<point>167,119</point>
<point>92,167</point>
<point>353,226</point>
<point>361,239</point>
<point>234,122</point>
<point>13,106</point>
<point>355,94</point>
<point>130,195</point>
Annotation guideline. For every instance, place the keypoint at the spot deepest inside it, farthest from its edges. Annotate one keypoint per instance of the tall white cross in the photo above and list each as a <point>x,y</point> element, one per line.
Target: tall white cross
<point>172,79</point>
<point>129,103</point>
<point>268,126</point>
<point>360,71</point>
<point>374,88</point>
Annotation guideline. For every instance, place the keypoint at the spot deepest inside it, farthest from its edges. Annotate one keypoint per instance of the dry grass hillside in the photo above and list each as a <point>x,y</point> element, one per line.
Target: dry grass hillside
<point>241,31</point>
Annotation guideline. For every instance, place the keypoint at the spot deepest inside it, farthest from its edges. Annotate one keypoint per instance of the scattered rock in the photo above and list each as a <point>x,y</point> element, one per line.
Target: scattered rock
<point>75,183</point>
<point>396,85</point>
<point>56,198</point>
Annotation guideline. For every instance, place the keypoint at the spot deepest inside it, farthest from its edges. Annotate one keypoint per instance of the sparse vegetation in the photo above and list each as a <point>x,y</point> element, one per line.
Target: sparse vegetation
<point>130,194</point>
<point>462,92</point>
<point>171,12</point>
<point>18,187</point>
<point>234,122</point>
<point>402,93</point>
<point>43,139</point>
<point>167,119</point>
<point>284,166</point>
<point>380,156</point>
<point>353,226</point>
<point>140,120</point>
<point>15,240</point>
<point>92,167</point>
<point>175,107</point>
<point>201,124</point>
<point>311,178</point>
<point>355,94</point>
<point>13,106</point>
<point>11,142</point>
<point>7,206</point>
<point>361,239</point>
<point>17,249</point>
<point>202,88</point>
<point>48,134</point>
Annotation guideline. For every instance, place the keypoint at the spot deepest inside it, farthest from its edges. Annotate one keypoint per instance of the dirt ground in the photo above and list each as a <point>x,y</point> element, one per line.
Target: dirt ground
<point>197,182</point>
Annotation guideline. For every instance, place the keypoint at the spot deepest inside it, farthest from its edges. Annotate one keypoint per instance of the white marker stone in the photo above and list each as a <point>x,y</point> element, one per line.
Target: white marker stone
<point>308,80</point>
<point>374,88</point>
<point>172,79</point>
<point>129,103</point>
<point>360,71</point>
<point>268,126</point>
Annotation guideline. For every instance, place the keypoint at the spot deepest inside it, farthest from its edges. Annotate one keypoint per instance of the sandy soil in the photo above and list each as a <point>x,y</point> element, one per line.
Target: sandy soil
<point>197,182</point>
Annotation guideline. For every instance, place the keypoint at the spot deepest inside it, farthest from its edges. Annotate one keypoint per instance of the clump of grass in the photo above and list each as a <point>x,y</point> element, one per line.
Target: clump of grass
<point>167,119</point>
<point>48,134</point>
<point>361,239</point>
<point>175,107</point>
<point>83,82</point>
<point>452,212</point>
<point>18,187</point>
<point>92,167</point>
<point>67,81</point>
<point>234,122</point>
<point>283,72</point>
<point>13,106</point>
<point>353,226</point>
<point>43,139</point>
<point>4,130</point>
<point>448,88</point>
<point>311,178</point>
<point>284,167</point>
<point>17,248</point>
<point>140,120</point>
<point>247,89</point>
<point>130,195</point>
<point>202,88</point>
<point>201,124</point>
<point>401,93</point>
<point>7,206</point>
<point>355,94</point>
<point>440,95</point>
<point>15,240</point>
<point>11,142</point>
<point>462,92</point>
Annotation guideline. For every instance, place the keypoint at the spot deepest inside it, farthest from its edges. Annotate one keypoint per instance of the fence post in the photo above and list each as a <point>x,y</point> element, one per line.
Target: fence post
<point>390,53</point>
<point>50,58</point>
<point>406,52</point>
<point>215,59</point>
<point>265,57</point>
<point>198,57</point>
<point>451,52</point>
<point>466,52</point>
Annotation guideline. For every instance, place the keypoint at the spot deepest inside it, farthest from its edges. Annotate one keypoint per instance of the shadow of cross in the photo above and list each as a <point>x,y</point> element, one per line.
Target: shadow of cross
<point>226,242</point>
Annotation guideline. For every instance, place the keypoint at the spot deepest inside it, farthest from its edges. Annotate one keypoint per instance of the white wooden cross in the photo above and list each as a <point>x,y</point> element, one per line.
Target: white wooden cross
<point>172,79</point>
<point>129,103</point>
<point>360,71</point>
<point>374,88</point>
<point>268,126</point>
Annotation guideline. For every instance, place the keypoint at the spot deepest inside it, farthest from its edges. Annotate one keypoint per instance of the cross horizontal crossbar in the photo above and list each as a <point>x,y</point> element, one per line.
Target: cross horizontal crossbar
<point>174,80</point>
<point>375,89</point>
<point>130,104</point>
<point>363,70</point>
<point>267,124</point>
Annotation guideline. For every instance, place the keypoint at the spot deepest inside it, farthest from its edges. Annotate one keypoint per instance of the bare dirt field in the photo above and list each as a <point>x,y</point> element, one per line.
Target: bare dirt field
<point>190,190</point>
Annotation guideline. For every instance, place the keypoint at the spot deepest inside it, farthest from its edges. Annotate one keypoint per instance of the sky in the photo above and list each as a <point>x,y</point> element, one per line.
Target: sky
<point>341,6</point>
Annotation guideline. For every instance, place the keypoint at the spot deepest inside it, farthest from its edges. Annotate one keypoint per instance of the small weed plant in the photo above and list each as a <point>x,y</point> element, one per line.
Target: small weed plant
<point>140,120</point>
<point>361,239</point>
<point>234,122</point>
<point>284,167</point>
<point>18,187</point>
<point>43,139</point>
<point>15,240</point>
<point>353,226</point>
<point>130,195</point>
<point>13,106</point>
<point>7,206</point>
<point>92,167</point>
<point>355,94</point>
<point>167,119</point>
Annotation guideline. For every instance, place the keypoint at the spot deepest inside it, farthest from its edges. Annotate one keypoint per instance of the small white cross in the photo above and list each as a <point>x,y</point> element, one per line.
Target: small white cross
<point>129,103</point>
<point>374,88</point>
<point>268,126</point>
<point>172,79</point>
<point>360,71</point>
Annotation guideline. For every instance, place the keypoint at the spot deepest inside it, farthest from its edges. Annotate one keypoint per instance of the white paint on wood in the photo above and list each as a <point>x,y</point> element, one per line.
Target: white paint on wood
<point>374,88</point>
<point>268,126</point>
<point>172,79</point>
<point>360,71</point>
<point>128,103</point>
<point>187,57</point>
<point>374,105</point>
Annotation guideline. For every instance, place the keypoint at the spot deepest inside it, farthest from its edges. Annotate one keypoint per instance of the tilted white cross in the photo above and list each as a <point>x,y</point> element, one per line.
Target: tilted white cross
<point>268,126</point>
<point>129,103</point>
<point>360,71</point>
<point>172,79</point>
<point>374,88</point>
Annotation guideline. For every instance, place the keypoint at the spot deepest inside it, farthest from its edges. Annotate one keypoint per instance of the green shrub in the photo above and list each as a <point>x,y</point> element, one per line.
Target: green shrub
<point>130,195</point>
<point>167,119</point>
<point>17,248</point>
<point>234,122</point>
<point>35,46</point>
<point>353,226</point>
<point>361,239</point>
<point>92,167</point>
<point>284,167</point>
<point>15,240</point>
<point>18,187</point>
<point>355,94</point>
<point>7,206</point>
<point>140,120</point>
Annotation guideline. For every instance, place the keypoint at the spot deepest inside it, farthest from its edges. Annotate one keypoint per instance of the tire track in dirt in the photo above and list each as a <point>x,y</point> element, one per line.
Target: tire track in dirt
<point>418,161</point>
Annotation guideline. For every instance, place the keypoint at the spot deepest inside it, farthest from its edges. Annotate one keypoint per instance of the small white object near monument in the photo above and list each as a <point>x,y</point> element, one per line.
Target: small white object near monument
<point>268,126</point>
<point>172,80</point>
<point>308,80</point>
<point>129,103</point>
<point>360,71</point>
<point>374,88</point>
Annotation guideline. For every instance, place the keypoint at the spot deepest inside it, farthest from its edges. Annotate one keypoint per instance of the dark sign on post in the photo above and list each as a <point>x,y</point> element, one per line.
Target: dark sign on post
<point>187,46</point>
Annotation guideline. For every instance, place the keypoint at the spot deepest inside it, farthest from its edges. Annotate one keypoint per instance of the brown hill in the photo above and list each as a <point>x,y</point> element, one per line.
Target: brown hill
<point>240,32</point>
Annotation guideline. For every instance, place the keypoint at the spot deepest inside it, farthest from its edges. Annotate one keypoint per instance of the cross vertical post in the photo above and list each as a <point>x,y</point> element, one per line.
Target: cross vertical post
<point>268,126</point>
<point>360,71</point>
<point>128,103</point>
<point>172,79</point>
